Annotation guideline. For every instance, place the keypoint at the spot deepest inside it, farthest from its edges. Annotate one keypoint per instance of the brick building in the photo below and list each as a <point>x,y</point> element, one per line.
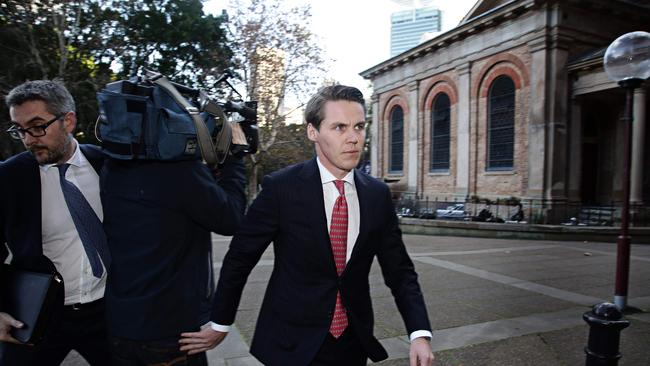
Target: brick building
<point>513,102</point>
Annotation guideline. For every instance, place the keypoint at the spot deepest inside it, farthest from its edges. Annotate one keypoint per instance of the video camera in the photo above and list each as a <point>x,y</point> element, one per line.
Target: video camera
<point>152,118</point>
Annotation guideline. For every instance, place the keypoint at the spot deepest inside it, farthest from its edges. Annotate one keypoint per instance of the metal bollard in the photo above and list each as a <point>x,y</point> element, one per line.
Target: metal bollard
<point>605,325</point>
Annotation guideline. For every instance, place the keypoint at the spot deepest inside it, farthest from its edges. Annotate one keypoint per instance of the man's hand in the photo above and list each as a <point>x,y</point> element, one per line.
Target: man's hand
<point>197,342</point>
<point>6,323</point>
<point>420,353</point>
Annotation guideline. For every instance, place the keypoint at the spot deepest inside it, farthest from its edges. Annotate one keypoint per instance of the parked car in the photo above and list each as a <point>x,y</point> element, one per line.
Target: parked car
<point>405,212</point>
<point>455,212</point>
<point>427,213</point>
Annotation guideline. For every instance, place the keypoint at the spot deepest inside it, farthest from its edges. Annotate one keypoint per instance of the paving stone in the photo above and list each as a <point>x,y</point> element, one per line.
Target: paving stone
<point>396,347</point>
<point>527,327</point>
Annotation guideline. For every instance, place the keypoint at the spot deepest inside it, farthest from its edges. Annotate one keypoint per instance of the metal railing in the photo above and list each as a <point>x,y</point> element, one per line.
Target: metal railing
<point>513,210</point>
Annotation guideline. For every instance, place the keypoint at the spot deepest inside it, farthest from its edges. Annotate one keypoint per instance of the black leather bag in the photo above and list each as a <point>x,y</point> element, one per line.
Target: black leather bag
<point>30,297</point>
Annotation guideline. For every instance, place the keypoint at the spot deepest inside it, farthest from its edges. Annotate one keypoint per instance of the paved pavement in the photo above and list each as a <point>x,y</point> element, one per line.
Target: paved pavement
<point>491,301</point>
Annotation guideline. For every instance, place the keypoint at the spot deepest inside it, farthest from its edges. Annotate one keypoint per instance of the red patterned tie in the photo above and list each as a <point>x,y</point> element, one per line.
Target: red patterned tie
<point>339,239</point>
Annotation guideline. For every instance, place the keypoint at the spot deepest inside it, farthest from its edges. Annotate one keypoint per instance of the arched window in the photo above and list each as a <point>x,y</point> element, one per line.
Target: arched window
<point>501,124</point>
<point>396,140</point>
<point>440,133</point>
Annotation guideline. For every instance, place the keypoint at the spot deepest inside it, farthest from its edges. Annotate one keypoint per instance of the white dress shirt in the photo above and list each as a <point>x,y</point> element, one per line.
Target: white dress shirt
<point>61,242</point>
<point>330,194</point>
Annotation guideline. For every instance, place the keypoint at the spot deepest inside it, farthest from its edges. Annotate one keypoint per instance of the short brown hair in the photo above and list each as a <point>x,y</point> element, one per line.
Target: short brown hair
<point>314,114</point>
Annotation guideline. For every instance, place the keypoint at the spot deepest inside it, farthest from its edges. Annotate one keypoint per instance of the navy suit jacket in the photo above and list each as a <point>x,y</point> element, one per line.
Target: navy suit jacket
<point>20,209</point>
<point>158,217</point>
<point>299,302</point>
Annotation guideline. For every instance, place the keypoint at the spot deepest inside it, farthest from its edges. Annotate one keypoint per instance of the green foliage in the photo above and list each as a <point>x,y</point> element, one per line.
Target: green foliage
<point>82,42</point>
<point>291,147</point>
<point>173,37</point>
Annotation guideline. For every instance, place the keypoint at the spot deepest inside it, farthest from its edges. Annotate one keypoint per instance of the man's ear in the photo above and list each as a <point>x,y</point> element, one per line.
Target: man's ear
<point>70,122</point>
<point>312,132</point>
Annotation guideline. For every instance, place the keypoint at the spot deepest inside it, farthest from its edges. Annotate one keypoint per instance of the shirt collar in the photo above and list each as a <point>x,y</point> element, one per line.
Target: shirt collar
<point>76,159</point>
<point>326,176</point>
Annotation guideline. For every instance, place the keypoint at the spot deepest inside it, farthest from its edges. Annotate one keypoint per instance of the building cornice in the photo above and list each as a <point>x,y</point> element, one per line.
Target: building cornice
<point>490,19</point>
<point>507,11</point>
<point>595,63</point>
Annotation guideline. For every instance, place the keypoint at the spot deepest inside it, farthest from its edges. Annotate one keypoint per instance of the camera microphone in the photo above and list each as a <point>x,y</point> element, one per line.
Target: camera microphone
<point>241,108</point>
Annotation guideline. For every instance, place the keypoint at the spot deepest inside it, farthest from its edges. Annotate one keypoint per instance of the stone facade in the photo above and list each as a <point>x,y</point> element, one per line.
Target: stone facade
<point>440,183</point>
<point>538,45</point>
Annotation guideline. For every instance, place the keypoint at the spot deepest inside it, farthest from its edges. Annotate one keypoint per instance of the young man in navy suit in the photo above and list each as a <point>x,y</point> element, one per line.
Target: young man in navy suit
<point>327,222</point>
<point>37,225</point>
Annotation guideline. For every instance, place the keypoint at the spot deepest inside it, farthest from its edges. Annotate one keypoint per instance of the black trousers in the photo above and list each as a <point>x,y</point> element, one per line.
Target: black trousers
<point>81,328</point>
<point>164,352</point>
<point>344,351</point>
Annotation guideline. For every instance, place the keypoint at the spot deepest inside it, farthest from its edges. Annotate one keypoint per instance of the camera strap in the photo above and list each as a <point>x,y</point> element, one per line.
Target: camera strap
<point>212,156</point>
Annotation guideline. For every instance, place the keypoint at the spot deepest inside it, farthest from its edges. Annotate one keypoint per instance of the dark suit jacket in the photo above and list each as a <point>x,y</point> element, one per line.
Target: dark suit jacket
<point>20,209</point>
<point>300,297</point>
<point>158,217</point>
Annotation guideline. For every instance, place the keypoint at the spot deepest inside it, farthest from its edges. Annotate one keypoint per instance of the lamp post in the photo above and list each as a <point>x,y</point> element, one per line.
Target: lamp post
<point>627,61</point>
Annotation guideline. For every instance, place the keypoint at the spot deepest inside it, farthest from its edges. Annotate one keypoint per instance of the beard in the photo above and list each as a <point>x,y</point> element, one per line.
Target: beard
<point>52,154</point>
<point>44,155</point>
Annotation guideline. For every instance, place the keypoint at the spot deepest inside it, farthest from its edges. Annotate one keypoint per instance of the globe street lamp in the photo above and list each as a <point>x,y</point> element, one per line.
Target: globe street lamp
<point>627,61</point>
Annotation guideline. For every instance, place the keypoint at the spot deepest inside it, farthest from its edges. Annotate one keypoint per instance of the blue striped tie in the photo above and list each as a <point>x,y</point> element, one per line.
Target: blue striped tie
<point>87,223</point>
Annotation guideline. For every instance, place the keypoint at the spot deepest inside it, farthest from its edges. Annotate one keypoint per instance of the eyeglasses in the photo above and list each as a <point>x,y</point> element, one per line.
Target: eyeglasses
<point>18,133</point>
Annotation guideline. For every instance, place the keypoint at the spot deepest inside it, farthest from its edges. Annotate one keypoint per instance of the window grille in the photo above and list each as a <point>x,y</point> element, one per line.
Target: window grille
<point>396,140</point>
<point>501,124</point>
<point>440,133</point>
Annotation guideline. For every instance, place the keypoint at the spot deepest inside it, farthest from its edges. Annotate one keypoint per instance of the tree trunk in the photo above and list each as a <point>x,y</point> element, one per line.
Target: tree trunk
<point>252,181</point>
<point>33,49</point>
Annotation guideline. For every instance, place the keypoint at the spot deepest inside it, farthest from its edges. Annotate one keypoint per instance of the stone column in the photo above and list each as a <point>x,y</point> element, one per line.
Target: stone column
<point>575,152</point>
<point>463,130</point>
<point>556,144</point>
<point>412,161</point>
<point>374,137</point>
<point>638,140</point>
<point>537,116</point>
<point>547,152</point>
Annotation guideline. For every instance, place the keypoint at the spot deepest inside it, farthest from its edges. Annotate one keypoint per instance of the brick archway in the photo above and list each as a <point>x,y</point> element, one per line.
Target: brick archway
<point>394,100</point>
<point>434,86</point>
<point>501,64</point>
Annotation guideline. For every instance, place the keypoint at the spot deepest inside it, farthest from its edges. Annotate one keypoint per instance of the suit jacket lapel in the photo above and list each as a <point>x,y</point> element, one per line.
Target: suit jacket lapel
<point>94,155</point>
<point>361,184</point>
<point>28,181</point>
<point>311,195</point>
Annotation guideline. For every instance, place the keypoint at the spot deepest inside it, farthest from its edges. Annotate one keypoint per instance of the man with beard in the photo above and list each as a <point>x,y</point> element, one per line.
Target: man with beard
<point>50,220</point>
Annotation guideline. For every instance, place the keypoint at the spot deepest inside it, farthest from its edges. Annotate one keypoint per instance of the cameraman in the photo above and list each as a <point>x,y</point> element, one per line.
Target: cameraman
<point>158,220</point>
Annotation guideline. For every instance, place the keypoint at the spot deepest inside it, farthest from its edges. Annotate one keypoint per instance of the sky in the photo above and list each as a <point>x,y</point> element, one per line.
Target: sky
<point>355,34</point>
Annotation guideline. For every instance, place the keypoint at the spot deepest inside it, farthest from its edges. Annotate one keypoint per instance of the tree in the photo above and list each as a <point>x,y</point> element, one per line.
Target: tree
<point>87,43</point>
<point>173,37</point>
<point>291,146</point>
<point>278,59</point>
<point>44,40</point>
